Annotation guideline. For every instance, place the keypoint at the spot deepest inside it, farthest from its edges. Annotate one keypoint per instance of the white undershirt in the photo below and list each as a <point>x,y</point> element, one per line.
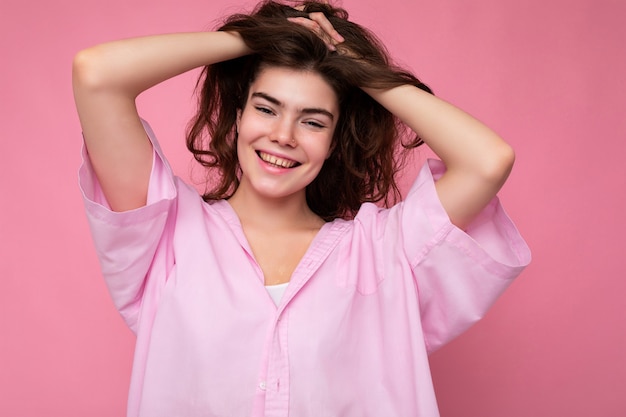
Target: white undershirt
<point>276,291</point>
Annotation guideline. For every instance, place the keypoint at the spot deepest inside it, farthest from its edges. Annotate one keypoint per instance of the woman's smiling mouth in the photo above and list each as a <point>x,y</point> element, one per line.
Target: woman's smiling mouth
<point>276,161</point>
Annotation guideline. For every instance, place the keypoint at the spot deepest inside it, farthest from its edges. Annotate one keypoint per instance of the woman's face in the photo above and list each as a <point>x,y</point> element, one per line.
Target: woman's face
<point>285,131</point>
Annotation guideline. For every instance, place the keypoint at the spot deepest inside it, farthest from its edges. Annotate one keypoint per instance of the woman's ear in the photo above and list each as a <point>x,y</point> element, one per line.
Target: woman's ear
<point>238,120</point>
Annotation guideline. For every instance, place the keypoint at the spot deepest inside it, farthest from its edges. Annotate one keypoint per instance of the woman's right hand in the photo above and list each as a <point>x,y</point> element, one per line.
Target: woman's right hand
<point>107,79</point>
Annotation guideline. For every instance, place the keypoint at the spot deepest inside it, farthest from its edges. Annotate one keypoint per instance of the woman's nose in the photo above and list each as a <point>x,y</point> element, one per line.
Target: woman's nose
<point>282,133</point>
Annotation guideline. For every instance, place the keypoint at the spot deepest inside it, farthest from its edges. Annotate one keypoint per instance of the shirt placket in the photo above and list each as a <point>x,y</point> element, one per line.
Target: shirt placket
<point>276,381</point>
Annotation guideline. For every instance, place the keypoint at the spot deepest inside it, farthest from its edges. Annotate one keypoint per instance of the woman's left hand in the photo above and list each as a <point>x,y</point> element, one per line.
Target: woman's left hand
<point>319,24</point>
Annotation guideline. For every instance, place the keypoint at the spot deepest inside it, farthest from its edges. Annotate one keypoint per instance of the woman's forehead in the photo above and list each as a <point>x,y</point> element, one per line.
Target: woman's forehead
<point>294,88</point>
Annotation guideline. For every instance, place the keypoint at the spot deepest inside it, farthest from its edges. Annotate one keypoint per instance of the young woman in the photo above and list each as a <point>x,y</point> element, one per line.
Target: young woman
<point>284,290</point>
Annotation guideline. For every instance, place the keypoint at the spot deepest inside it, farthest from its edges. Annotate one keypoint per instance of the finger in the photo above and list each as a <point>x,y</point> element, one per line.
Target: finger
<point>307,23</point>
<point>316,29</point>
<point>326,26</point>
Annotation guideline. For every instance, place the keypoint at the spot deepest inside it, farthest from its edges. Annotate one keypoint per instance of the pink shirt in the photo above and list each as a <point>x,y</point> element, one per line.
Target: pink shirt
<point>350,337</point>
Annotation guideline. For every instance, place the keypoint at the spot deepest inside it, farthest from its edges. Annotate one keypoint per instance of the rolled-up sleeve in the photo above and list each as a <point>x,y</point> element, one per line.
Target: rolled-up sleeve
<point>458,273</point>
<point>126,242</point>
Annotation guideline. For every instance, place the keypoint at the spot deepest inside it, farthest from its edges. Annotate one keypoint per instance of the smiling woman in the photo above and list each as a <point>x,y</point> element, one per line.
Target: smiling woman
<point>283,290</point>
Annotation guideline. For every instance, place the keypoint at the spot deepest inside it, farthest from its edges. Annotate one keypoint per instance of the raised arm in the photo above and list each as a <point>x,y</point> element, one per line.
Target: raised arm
<point>477,160</point>
<point>108,78</point>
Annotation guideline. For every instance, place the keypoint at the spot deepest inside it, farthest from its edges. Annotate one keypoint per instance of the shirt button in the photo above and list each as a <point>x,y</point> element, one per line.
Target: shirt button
<point>262,385</point>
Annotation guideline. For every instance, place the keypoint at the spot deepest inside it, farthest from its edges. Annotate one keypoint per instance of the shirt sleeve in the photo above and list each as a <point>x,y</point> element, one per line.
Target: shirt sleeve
<point>126,242</point>
<point>459,273</point>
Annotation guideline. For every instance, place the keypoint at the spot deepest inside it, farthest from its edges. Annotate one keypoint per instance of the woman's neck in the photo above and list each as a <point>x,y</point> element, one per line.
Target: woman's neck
<point>290,212</point>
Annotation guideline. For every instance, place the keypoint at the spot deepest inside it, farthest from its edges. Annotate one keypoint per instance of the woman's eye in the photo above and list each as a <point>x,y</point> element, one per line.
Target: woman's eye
<point>264,110</point>
<point>315,124</point>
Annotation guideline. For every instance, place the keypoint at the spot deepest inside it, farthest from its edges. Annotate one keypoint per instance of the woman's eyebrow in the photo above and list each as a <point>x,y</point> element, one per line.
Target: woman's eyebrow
<point>308,110</point>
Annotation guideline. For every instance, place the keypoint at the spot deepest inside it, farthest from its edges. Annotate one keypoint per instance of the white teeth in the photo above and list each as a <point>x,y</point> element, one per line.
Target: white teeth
<point>271,159</point>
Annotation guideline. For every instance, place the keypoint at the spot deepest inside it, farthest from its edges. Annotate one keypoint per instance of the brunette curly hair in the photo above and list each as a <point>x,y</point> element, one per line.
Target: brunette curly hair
<point>365,155</point>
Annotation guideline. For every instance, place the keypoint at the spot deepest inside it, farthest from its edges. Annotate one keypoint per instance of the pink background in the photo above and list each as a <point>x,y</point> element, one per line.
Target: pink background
<point>547,75</point>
